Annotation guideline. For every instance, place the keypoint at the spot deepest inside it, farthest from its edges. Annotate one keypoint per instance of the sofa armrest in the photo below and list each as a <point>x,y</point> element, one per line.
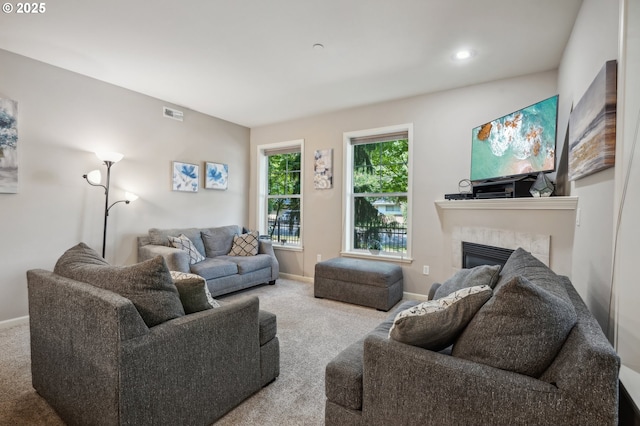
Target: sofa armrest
<point>436,388</point>
<point>75,331</point>
<point>177,260</point>
<point>266,247</point>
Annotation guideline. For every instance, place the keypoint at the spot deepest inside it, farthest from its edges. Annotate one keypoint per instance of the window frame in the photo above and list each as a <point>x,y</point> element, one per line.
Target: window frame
<point>262,211</point>
<point>348,194</point>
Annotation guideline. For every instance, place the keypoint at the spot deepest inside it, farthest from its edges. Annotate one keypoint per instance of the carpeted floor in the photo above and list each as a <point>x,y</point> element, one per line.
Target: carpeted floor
<point>311,332</point>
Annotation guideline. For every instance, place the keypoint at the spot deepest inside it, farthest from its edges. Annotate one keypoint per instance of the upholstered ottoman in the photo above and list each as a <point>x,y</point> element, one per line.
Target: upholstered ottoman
<point>362,282</point>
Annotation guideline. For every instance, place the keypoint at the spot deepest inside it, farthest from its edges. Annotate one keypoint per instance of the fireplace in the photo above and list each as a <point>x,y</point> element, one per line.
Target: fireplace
<point>474,254</point>
<point>537,244</point>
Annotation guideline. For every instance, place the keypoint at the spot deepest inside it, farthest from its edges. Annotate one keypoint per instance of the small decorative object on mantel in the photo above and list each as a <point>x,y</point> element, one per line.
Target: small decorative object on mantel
<point>216,176</point>
<point>592,126</point>
<point>542,187</point>
<point>185,177</point>
<point>323,169</point>
<point>8,146</point>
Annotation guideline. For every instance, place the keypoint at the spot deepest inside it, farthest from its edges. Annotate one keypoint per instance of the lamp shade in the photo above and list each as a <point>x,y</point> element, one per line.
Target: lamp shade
<point>130,196</point>
<point>113,157</point>
<point>94,177</point>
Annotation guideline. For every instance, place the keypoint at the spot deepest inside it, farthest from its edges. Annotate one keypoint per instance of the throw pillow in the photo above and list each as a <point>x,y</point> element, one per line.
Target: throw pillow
<point>183,243</point>
<point>245,244</point>
<point>218,241</point>
<point>435,324</point>
<point>464,278</point>
<point>521,329</point>
<point>194,293</point>
<point>147,284</point>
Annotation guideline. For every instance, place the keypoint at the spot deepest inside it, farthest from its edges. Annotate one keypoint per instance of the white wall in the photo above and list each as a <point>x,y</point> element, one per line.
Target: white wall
<point>63,118</point>
<point>442,143</point>
<point>628,166</point>
<point>587,51</point>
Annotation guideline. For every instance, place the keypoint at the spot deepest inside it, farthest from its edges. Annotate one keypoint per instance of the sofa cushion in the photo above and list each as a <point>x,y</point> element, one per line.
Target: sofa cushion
<point>161,236</point>
<point>521,329</point>
<point>212,268</point>
<point>247,264</point>
<point>464,278</point>
<point>435,324</point>
<point>194,293</point>
<point>147,284</point>
<point>245,244</point>
<point>185,244</point>
<point>218,241</point>
<point>521,262</point>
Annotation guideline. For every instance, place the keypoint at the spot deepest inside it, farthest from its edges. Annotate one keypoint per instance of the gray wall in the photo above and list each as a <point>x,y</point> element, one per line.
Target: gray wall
<point>63,118</point>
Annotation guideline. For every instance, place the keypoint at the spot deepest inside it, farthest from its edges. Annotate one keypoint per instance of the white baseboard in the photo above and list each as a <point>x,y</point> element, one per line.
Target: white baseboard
<point>14,322</point>
<point>414,296</point>
<point>296,277</point>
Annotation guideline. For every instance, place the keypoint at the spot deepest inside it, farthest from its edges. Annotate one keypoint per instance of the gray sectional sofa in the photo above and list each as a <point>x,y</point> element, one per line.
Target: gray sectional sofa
<point>223,273</point>
<point>517,361</point>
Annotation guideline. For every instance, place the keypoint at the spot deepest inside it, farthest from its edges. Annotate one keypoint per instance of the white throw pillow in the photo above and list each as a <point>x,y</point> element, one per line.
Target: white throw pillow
<point>184,243</point>
<point>436,324</point>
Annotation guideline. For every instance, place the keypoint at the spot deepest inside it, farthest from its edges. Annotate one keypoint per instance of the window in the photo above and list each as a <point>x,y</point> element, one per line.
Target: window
<point>280,203</point>
<point>377,197</point>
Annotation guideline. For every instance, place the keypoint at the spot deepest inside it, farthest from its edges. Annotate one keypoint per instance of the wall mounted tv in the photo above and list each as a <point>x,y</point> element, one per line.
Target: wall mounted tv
<point>515,145</point>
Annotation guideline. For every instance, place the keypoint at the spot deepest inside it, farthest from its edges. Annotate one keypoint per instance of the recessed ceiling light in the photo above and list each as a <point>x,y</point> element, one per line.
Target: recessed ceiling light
<point>461,55</point>
<point>318,46</point>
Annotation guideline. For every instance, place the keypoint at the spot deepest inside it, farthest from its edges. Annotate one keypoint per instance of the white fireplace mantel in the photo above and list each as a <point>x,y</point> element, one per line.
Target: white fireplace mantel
<point>528,203</point>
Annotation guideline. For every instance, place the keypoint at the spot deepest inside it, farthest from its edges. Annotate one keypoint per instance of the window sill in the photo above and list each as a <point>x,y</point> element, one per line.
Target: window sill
<point>384,257</point>
<point>287,248</point>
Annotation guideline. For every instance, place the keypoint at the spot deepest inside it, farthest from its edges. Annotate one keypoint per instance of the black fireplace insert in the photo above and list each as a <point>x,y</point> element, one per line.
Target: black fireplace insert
<point>479,254</point>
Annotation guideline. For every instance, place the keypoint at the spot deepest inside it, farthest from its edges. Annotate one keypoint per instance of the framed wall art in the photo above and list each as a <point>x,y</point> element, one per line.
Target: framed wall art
<point>323,169</point>
<point>592,126</point>
<point>185,177</point>
<point>216,176</point>
<point>8,146</point>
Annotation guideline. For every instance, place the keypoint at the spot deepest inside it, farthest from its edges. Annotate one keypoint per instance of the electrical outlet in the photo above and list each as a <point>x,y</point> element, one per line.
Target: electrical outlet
<point>425,269</point>
<point>318,258</point>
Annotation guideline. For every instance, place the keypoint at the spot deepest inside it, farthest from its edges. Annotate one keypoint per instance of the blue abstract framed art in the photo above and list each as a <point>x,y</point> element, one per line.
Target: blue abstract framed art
<point>185,177</point>
<point>216,176</point>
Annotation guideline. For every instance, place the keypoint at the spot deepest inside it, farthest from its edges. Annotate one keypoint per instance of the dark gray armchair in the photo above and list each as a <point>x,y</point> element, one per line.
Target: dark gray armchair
<point>95,361</point>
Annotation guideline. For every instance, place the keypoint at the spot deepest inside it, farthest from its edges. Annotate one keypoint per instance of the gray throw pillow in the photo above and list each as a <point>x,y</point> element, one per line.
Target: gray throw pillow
<point>218,241</point>
<point>521,329</point>
<point>464,278</point>
<point>147,284</point>
<point>194,293</point>
<point>435,324</point>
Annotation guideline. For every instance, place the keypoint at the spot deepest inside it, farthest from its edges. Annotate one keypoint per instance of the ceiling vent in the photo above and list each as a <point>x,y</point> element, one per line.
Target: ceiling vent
<point>172,113</point>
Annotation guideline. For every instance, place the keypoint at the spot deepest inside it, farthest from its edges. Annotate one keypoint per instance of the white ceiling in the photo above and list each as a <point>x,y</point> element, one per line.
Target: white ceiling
<point>252,62</point>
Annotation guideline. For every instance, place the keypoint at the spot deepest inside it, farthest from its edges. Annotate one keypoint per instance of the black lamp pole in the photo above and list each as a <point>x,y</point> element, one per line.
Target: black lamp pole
<point>107,207</point>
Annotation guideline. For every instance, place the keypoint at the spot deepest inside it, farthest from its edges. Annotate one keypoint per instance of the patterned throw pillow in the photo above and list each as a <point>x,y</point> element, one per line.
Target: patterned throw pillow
<point>184,243</point>
<point>245,244</point>
<point>194,293</point>
<point>435,324</point>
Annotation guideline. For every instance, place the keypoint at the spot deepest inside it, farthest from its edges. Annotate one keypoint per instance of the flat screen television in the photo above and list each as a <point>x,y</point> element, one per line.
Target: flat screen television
<point>517,144</point>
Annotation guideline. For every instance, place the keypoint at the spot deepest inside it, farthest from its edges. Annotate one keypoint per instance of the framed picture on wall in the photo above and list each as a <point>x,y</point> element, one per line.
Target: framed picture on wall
<point>216,175</point>
<point>185,177</point>
<point>8,146</point>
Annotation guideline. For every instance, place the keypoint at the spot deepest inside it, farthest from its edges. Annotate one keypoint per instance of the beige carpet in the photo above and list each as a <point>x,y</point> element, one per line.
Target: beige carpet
<point>311,332</point>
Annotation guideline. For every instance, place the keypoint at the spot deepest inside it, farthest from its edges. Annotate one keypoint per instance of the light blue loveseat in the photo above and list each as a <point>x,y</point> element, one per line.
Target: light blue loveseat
<point>223,273</point>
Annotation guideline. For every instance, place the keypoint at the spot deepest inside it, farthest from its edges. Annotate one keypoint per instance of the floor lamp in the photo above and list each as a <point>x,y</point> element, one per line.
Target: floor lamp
<point>94,178</point>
